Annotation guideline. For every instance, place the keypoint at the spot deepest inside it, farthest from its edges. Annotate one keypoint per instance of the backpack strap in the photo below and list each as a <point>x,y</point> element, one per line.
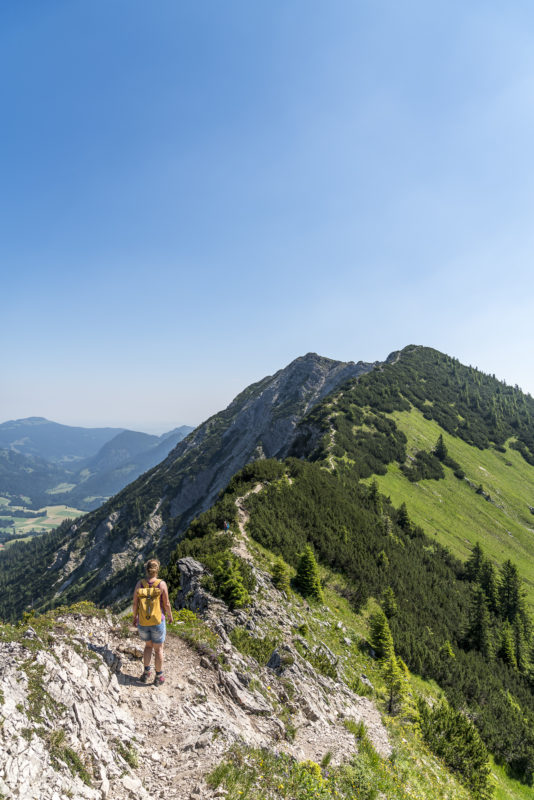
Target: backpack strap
<point>147,585</point>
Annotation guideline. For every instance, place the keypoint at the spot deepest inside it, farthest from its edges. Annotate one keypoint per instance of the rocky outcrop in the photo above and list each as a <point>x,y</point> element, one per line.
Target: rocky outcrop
<point>65,731</point>
<point>191,594</point>
<point>260,422</point>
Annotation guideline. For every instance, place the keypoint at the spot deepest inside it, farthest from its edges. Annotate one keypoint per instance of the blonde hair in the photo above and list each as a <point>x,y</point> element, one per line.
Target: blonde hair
<point>152,567</point>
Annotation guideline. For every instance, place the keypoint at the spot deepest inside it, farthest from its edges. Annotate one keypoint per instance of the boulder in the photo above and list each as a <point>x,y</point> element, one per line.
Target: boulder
<point>191,594</point>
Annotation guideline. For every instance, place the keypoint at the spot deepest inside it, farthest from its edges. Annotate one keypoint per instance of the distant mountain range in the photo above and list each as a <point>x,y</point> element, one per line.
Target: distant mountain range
<point>44,463</point>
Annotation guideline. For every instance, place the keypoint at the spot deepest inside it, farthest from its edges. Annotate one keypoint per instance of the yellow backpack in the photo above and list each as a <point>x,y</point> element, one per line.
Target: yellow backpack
<point>149,603</point>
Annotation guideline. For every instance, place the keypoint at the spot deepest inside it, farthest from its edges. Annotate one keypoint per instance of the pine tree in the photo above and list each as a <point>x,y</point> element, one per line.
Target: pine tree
<point>380,636</point>
<point>374,497</point>
<point>510,598</point>
<point>488,581</point>
<point>440,450</point>
<point>307,578</point>
<point>232,588</point>
<point>389,602</point>
<point>473,565</point>
<point>395,683</point>
<point>506,650</point>
<point>520,645</point>
<point>478,631</point>
<point>454,738</point>
<point>446,653</point>
<point>281,575</point>
<point>403,520</point>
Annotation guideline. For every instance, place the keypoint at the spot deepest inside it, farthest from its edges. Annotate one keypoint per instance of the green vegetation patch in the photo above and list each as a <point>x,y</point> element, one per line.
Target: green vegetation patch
<point>454,738</point>
<point>261,774</point>
<point>194,631</point>
<point>356,531</point>
<point>451,510</point>
<point>259,648</point>
<point>128,752</point>
<point>59,752</point>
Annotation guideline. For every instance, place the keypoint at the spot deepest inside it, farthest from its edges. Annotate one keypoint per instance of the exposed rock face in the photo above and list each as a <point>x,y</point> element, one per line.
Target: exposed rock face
<point>191,595</point>
<point>259,423</point>
<point>61,708</point>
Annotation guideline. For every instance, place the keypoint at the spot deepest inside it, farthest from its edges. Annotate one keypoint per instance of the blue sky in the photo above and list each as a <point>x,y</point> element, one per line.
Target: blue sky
<point>196,193</point>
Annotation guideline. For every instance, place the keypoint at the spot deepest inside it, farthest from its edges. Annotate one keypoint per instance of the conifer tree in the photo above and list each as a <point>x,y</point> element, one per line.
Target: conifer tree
<point>281,575</point>
<point>403,520</point>
<point>307,578</point>
<point>446,652</point>
<point>488,581</point>
<point>510,597</point>
<point>440,450</point>
<point>374,497</point>
<point>380,636</point>
<point>394,680</point>
<point>473,565</point>
<point>478,632</point>
<point>231,586</point>
<point>389,602</point>
<point>520,645</point>
<point>506,649</point>
<point>454,738</point>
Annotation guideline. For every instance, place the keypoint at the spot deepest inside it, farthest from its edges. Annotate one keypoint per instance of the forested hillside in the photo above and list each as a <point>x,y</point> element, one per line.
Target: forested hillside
<point>479,485</point>
<point>464,624</point>
<point>443,623</point>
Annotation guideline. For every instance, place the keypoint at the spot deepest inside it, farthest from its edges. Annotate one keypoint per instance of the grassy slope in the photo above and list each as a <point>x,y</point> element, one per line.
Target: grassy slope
<point>451,510</point>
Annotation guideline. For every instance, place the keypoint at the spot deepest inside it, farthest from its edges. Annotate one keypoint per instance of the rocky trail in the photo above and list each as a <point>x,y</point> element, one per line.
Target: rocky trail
<point>101,734</point>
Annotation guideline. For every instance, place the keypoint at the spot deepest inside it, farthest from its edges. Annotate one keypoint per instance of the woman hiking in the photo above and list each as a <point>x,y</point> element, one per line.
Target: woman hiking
<point>150,605</point>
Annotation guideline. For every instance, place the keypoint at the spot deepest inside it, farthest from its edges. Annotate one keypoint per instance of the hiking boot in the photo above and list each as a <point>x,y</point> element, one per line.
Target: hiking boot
<point>145,677</point>
<point>158,680</point>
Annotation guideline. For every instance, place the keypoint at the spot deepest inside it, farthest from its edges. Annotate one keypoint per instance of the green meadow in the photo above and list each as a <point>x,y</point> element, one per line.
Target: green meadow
<point>451,510</point>
<point>26,527</point>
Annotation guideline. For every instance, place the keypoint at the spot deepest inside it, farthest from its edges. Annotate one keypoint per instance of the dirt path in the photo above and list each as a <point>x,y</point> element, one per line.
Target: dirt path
<point>176,721</point>
<point>240,548</point>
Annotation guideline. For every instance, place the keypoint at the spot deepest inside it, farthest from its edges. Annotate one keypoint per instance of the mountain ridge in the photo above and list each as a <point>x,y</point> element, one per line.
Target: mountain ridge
<point>152,512</point>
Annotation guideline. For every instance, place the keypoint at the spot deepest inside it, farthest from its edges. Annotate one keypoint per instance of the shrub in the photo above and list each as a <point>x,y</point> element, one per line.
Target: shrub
<point>280,575</point>
<point>260,648</point>
<point>454,738</point>
<point>231,578</point>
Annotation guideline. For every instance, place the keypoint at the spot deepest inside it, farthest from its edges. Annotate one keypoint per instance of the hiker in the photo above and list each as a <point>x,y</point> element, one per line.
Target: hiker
<point>150,605</point>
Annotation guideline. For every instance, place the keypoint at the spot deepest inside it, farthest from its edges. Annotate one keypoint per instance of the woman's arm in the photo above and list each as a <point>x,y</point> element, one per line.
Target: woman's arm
<point>135,604</point>
<point>165,601</point>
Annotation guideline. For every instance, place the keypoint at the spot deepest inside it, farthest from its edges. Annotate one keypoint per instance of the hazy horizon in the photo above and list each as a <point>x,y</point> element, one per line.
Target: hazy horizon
<point>158,427</point>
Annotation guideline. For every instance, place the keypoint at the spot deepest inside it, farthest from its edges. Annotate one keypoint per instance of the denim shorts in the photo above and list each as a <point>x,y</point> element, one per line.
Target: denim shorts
<point>152,633</point>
